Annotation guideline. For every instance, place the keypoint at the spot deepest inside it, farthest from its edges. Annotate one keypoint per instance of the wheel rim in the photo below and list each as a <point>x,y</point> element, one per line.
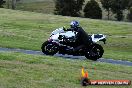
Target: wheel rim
<point>95,51</point>
<point>51,48</point>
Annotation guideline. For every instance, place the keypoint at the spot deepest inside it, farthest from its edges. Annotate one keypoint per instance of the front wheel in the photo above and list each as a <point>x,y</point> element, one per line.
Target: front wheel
<point>95,52</point>
<point>49,48</point>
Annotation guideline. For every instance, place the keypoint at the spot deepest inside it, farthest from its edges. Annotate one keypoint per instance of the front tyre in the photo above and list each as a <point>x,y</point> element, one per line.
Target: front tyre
<point>49,48</point>
<point>96,51</point>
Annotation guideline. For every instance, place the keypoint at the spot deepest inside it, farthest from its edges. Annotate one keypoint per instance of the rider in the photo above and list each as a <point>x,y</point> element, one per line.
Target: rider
<point>82,37</point>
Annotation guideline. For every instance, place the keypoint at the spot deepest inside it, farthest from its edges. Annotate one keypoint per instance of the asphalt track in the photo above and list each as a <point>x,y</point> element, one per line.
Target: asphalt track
<point>128,63</point>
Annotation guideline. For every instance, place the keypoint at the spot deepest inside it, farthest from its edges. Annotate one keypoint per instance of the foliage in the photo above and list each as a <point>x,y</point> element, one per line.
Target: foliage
<point>130,15</point>
<point>130,4</point>
<point>92,10</point>
<point>107,4</point>
<point>1,3</point>
<point>68,7</point>
<point>118,6</point>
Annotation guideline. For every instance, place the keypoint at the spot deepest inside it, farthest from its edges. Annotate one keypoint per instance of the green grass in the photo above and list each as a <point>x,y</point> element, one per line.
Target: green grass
<point>42,6</point>
<point>28,30</point>
<point>19,70</point>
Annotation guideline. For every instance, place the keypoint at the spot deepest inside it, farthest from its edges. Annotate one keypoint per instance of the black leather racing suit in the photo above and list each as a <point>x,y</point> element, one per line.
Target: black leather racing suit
<point>82,38</point>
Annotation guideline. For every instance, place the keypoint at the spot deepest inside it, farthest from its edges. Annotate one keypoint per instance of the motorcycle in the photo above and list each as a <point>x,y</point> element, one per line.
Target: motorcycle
<point>63,42</point>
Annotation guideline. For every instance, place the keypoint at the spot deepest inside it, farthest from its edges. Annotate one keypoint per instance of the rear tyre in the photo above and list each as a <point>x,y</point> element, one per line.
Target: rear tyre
<point>96,51</point>
<point>49,48</point>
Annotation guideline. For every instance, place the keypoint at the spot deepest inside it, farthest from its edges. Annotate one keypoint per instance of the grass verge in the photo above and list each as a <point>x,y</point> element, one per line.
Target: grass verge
<point>19,70</point>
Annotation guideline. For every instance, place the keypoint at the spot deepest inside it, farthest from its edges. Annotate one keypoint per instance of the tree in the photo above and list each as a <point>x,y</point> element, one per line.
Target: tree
<point>68,7</point>
<point>92,10</point>
<point>129,4</point>
<point>107,4</point>
<point>1,3</point>
<point>118,6</point>
<point>129,16</point>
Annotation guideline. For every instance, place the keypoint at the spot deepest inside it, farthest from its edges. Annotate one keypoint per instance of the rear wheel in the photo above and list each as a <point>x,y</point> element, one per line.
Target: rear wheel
<point>49,48</point>
<point>96,51</point>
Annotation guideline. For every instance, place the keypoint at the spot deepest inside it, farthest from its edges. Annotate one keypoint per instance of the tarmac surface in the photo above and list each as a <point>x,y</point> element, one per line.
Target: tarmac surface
<point>128,63</point>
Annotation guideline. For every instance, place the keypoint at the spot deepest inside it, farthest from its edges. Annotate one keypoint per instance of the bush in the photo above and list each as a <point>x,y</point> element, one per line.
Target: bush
<point>92,10</point>
<point>68,7</point>
<point>1,3</point>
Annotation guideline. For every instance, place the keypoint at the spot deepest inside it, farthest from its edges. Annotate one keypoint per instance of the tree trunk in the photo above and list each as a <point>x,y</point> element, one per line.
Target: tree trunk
<point>13,4</point>
<point>8,4</point>
<point>108,14</point>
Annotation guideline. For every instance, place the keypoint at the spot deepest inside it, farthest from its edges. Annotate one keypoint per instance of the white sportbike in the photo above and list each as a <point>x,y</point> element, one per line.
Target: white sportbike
<point>63,42</point>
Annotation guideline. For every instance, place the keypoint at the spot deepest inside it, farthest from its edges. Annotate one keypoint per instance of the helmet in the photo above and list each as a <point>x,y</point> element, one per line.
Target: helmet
<point>74,24</point>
